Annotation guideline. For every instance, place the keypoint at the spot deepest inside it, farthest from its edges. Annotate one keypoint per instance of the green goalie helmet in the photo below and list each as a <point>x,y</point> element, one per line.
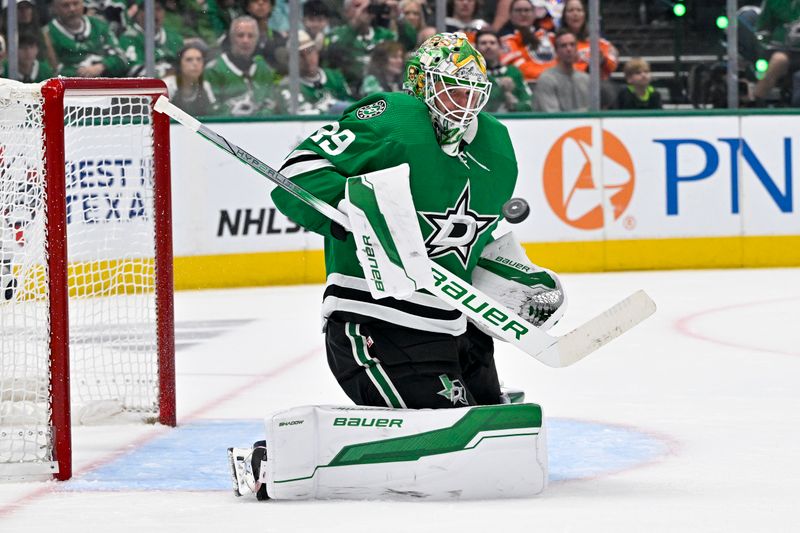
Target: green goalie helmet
<point>449,76</point>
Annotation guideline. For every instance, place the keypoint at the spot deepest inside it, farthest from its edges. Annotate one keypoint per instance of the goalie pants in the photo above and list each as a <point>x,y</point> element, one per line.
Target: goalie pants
<point>381,364</point>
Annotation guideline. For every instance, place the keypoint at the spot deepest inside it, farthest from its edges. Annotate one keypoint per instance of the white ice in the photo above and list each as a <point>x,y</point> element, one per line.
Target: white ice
<point>714,376</point>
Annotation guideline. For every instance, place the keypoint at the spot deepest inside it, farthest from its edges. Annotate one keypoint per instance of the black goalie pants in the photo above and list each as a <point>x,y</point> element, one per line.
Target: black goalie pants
<point>385,365</point>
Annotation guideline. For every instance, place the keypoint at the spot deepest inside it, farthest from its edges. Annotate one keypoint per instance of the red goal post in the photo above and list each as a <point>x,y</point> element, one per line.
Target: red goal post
<point>86,291</point>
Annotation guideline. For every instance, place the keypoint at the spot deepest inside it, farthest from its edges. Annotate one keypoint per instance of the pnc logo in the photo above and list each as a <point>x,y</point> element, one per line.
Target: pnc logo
<point>573,188</point>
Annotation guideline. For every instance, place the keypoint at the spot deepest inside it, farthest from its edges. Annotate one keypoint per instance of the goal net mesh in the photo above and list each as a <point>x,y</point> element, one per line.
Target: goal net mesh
<point>109,199</point>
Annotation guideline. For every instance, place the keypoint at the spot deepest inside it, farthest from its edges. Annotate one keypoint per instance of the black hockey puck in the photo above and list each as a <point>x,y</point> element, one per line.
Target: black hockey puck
<point>516,210</point>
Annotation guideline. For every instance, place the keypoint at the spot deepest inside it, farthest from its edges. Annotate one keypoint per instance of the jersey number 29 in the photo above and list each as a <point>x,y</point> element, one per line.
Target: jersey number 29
<point>333,141</point>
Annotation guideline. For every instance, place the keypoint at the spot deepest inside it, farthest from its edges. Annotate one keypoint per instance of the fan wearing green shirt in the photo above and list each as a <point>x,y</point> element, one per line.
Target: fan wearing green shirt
<point>351,44</point>
<point>84,45</point>
<point>167,42</point>
<point>30,69</point>
<point>241,80</point>
<point>322,90</point>
<point>509,93</point>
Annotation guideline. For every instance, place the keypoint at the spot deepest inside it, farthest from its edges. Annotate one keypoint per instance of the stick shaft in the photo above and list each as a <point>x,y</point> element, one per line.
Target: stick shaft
<point>506,324</point>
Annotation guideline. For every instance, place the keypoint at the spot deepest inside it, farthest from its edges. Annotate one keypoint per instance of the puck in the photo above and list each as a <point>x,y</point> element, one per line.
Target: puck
<point>516,210</point>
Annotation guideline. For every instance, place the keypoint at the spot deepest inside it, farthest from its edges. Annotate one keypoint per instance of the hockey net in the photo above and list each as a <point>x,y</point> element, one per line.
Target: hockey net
<point>82,161</point>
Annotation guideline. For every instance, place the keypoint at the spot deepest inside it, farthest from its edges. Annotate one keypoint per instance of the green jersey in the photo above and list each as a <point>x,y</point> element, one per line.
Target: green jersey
<point>167,45</point>
<point>94,44</point>
<point>458,199</point>
<point>497,99</point>
<point>349,51</point>
<point>240,93</point>
<point>40,71</point>
<point>777,17</point>
<point>320,95</point>
<point>191,19</point>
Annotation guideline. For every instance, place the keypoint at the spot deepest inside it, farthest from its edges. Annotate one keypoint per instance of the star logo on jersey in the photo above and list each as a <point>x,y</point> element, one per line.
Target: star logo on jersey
<point>456,230</point>
<point>453,390</point>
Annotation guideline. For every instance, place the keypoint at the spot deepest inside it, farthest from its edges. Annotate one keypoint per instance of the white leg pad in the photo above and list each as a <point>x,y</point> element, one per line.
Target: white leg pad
<point>360,453</point>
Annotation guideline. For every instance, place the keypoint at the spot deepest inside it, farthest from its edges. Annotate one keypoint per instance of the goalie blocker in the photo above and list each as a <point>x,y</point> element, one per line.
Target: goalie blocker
<point>324,452</point>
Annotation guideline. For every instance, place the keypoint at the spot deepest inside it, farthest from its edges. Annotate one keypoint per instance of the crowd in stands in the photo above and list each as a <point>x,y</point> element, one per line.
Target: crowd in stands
<point>231,57</point>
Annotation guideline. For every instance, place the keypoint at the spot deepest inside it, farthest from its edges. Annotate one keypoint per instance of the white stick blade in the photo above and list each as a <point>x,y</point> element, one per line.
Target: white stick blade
<point>163,105</point>
<point>603,328</point>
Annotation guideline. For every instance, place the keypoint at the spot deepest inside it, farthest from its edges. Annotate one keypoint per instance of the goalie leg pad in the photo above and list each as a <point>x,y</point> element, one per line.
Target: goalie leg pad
<point>360,453</point>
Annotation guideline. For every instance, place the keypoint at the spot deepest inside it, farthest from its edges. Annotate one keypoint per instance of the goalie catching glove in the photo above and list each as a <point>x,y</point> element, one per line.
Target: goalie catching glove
<point>389,243</point>
<point>505,273</point>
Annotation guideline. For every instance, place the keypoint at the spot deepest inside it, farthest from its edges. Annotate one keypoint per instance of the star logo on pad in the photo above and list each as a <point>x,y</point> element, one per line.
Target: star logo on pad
<point>456,230</point>
<point>453,390</point>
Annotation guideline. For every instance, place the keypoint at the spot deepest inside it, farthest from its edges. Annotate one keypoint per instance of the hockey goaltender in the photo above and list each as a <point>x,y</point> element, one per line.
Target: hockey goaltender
<point>422,175</point>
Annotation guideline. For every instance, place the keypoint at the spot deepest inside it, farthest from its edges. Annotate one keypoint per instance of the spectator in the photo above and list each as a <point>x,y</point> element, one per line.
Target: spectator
<point>241,80</point>
<point>115,12</point>
<point>351,43</point>
<point>638,94</point>
<point>29,21</point>
<point>386,69</point>
<point>542,19</point>
<point>462,16</point>
<point>187,87</point>
<point>191,18</point>
<point>316,18</point>
<point>574,19</point>
<point>780,19</point>
<point>562,87</point>
<point>279,20</point>
<point>322,90</point>
<point>413,15</point>
<point>411,11</point>
<point>84,45</point>
<point>271,44</point>
<point>509,91</point>
<point>221,13</point>
<point>167,42</point>
<point>30,69</point>
<point>528,49</point>
<point>406,33</point>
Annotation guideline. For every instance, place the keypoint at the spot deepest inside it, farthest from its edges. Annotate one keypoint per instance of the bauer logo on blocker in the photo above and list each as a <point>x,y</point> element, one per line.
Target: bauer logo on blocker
<point>575,191</point>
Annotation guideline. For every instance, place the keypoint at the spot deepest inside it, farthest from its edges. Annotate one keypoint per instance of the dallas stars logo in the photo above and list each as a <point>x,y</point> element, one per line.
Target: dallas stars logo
<point>453,390</point>
<point>456,230</point>
<point>371,110</point>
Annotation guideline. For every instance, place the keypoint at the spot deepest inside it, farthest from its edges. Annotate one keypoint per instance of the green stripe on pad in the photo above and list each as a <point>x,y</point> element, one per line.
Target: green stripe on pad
<point>446,440</point>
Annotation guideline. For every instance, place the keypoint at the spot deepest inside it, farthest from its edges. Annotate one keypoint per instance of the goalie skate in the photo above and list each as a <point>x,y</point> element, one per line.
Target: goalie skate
<point>241,470</point>
<point>245,469</point>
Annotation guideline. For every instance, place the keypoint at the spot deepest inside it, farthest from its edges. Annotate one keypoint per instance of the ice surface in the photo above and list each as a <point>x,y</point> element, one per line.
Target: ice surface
<point>686,423</point>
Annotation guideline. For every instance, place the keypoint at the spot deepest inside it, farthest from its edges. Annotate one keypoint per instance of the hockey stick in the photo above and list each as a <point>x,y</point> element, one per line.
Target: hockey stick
<point>553,351</point>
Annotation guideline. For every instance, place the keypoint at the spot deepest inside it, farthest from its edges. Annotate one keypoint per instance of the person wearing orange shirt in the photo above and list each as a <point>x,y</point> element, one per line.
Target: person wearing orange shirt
<point>528,49</point>
<point>574,19</point>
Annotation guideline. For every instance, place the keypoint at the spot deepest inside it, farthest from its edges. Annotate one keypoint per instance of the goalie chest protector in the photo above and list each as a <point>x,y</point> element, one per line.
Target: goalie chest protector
<point>458,199</point>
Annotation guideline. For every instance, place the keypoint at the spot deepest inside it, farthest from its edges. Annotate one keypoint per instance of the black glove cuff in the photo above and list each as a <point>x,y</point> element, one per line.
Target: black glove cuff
<point>338,231</point>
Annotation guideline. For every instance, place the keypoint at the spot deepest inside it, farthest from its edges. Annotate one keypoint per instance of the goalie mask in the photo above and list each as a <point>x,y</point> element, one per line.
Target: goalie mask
<point>449,76</point>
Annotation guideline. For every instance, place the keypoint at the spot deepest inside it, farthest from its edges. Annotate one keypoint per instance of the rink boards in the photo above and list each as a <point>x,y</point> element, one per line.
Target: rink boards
<point>612,193</point>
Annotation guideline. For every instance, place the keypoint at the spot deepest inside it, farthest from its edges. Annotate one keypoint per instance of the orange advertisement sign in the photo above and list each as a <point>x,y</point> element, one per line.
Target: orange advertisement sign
<point>575,191</point>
